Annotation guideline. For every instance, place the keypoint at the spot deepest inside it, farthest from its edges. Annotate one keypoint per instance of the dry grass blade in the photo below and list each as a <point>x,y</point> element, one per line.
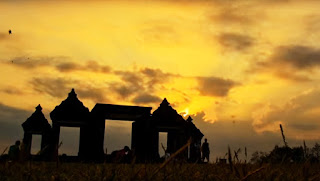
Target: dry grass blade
<point>4,151</point>
<point>60,144</point>
<point>283,137</point>
<point>42,150</point>
<point>230,159</point>
<point>252,173</point>
<point>170,158</point>
<point>315,178</point>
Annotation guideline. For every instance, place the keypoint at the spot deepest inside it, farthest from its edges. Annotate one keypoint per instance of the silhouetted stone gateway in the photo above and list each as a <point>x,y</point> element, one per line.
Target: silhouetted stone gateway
<point>145,129</point>
<point>37,124</point>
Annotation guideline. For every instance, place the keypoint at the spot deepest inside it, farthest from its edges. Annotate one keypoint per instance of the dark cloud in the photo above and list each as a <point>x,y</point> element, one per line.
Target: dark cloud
<point>95,94</point>
<point>293,76</point>
<point>34,62</point>
<point>131,83</point>
<point>235,41</point>
<point>55,87</point>
<point>12,114</point>
<point>146,99</point>
<point>156,76</point>
<point>59,87</point>
<point>130,77</point>
<point>134,82</point>
<point>11,119</point>
<point>292,62</point>
<point>90,66</point>
<point>60,63</point>
<point>3,36</point>
<point>68,66</point>
<point>222,134</point>
<point>199,117</point>
<point>12,91</point>
<point>10,132</point>
<point>232,15</point>
<point>297,56</point>
<point>299,114</point>
<point>96,67</point>
<point>124,91</point>
<point>215,86</point>
<point>305,127</point>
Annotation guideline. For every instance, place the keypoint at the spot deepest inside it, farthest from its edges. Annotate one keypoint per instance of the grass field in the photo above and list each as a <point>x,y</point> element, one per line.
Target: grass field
<point>173,171</point>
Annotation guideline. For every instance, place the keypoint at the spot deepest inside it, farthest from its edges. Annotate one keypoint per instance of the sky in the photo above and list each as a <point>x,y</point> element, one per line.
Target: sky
<point>239,68</point>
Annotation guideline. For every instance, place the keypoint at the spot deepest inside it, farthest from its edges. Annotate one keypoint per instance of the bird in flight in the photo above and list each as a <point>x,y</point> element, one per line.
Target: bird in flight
<point>10,32</point>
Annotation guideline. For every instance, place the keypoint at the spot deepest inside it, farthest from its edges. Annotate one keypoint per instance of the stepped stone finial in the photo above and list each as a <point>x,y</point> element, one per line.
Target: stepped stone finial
<point>164,102</point>
<point>38,108</point>
<point>189,119</point>
<point>72,93</point>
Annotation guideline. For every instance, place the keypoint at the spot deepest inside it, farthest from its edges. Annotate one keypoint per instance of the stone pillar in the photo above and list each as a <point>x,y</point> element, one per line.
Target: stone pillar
<point>55,140</point>
<point>27,141</point>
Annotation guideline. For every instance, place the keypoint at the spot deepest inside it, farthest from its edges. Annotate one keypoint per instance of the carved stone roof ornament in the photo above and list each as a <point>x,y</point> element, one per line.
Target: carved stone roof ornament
<point>36,123</point>
<point>166,113</point>
<point>71,110</point>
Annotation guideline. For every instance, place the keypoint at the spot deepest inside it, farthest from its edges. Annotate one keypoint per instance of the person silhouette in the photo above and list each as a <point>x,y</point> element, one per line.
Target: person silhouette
<point>205,150</point>
<point>14,151</point>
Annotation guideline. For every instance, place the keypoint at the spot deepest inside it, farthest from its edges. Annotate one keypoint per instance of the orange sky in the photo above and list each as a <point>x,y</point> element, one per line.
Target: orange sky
<point>244,65</point>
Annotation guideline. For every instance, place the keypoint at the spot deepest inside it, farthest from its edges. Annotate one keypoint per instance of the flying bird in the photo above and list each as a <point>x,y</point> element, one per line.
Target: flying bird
<point>10,32</point>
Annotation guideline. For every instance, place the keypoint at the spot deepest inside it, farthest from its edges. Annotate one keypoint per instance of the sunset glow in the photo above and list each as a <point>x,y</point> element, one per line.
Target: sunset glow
<point>238,68</point>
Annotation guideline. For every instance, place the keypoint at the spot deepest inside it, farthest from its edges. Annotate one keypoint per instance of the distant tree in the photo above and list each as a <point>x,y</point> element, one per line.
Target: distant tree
<point>282,154</point>
<point>258,157</point>
<point>316,150</point>
<point>286,154</point>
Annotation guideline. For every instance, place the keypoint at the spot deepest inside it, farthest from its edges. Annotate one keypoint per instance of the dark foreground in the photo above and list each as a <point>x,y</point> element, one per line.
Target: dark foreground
<point>173,171</point>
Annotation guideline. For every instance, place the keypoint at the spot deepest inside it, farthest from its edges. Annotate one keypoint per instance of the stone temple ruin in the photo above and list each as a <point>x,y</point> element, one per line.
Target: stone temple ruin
<point>145,130</point>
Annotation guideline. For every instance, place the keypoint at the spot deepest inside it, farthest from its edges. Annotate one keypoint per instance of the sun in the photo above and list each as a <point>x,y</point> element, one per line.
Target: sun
<point>185,113</point>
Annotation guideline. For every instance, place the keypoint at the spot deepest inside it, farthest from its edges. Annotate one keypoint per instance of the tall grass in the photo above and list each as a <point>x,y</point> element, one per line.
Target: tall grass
<point>171,171</point>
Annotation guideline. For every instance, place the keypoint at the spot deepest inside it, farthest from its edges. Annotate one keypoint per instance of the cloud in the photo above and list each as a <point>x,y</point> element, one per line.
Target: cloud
<point>124,91</point>
<point>60,87</point>
<point>95,94</point>
<point>34,62</point>
<point>130,77</point>
<point>297,56</point>
<point>215,86</point>
<point>3,36</point>
<point>12,114</point>
<point>60,63</point>
<point>131,83</point>
<point>68,66</point>
<point>11,119</point>
<point>200,117</point>
<point>312,24</point>
<point>235,41</point>
<point>299,115</point>
<point>55,87</point>
<point>240,134</point>
<point>146,98</point>
<point>12,91</point>
<point>231,15</point>
<point>156,76</point>
<point>159,31</point>
<point>90,66</point>
<point>291,62</point>
<point>137,81</point>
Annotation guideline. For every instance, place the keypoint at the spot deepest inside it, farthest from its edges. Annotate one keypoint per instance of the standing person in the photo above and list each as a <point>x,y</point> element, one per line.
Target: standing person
<point>14,151</point>
<point>205,150</point>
